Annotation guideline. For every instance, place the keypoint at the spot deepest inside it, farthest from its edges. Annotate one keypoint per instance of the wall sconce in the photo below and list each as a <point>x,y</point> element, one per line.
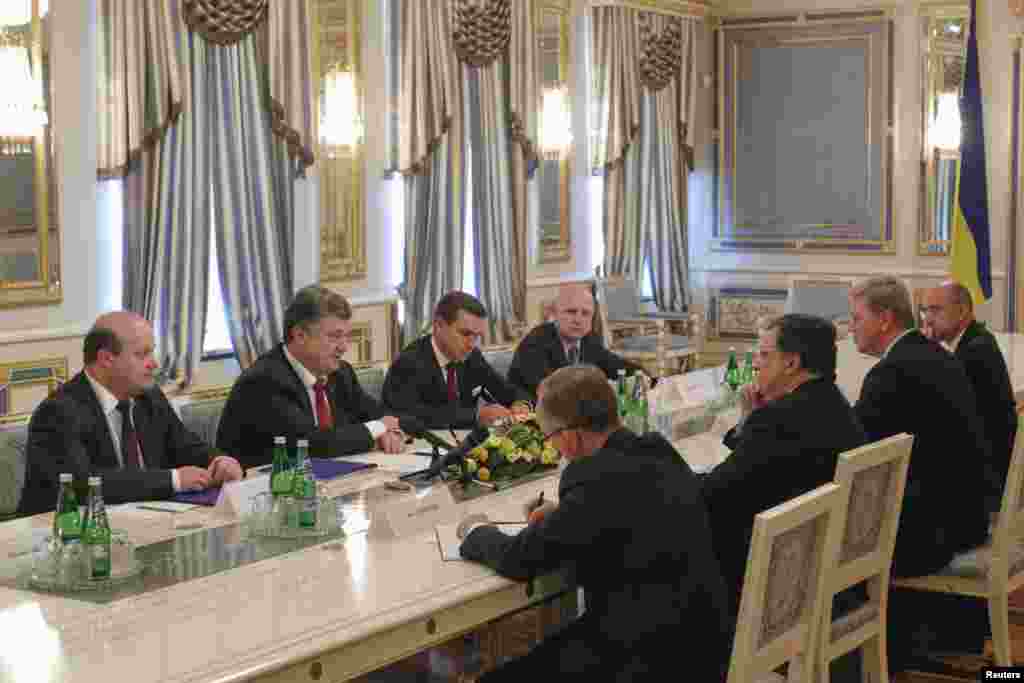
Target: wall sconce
<point>341,122</point>
<point>944,131</point>
<point>555,135</point>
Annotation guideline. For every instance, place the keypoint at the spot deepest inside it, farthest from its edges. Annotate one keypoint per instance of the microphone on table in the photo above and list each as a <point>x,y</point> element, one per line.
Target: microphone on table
<point>454,455</point>
<point>413,426</point>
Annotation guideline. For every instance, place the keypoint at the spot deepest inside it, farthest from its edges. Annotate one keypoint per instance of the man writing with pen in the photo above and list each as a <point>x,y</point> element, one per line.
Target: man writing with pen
<point>630,521</point>
<point>444,380</point>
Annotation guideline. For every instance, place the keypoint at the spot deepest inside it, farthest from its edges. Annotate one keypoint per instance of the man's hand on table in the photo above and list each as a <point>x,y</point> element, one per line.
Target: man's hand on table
<point>391,442</point>
<point>535,513</point>
<point>192,478</point>
<point>223,469</point>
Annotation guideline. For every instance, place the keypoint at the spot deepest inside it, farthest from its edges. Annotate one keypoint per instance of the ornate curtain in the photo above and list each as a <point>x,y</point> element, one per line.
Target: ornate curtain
<point>139,91</point>
<point>219,167</point>
<point>287,52</point>
<point>492,96</point>
<point>430,154</point>
<point>646,159</point>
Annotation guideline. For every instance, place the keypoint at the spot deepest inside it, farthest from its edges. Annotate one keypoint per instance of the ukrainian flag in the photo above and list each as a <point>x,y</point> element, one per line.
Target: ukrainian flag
<point>971,250</point>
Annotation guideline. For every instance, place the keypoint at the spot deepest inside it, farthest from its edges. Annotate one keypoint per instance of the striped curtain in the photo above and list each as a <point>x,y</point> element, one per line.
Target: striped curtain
<point>167,219</point>
<point>140,88</point>
<point>219,167</point>
<point>490,148</point>
<point>252,201</point>
<point>430,155</point>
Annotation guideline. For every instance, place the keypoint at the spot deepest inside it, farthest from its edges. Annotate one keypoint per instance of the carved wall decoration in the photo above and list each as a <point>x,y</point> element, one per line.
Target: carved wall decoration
<point>734,312</point>
<point>45,375</point>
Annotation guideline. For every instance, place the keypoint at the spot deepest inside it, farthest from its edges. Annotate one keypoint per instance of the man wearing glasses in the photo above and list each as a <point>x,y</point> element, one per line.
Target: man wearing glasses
<point>302,389</point>
<point>630,521</point>
<point>949,318</point>
<point>440,377</point>
<point>794,424</point>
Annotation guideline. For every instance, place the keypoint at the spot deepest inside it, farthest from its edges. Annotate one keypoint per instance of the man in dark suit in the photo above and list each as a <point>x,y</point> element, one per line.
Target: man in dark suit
<point>302,389</point>
<point>440,377</point>
<point>795,422</point>
<point>630,521</point>
<point>568,340</point>
<point>949,318</point>
<point>917,387</point>
<point>110,420</point>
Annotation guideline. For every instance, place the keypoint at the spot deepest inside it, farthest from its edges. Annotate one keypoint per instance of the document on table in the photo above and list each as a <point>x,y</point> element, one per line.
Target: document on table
<point>164,506</point>
<point>448,540</point>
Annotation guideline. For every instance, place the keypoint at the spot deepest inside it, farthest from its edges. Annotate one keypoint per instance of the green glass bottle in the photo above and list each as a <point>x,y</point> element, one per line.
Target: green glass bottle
<point>747,376</point>
<point>304,487</point>
<point>620,394</point>
<point>732,370</point>
<point>281,470</point>
<point>96,532</point>
<point>67,520</point>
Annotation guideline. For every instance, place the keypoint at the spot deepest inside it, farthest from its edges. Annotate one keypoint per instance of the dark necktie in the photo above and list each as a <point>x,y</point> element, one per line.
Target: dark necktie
<point>574,354</point>
<point>131,449</point>
<point>323,407</point>
<point>453,382</point>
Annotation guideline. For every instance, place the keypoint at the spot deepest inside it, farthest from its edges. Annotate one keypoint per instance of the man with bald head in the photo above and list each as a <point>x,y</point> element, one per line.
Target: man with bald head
<point>568,340</point>
<point>112,420</point>
<point>949,318</point>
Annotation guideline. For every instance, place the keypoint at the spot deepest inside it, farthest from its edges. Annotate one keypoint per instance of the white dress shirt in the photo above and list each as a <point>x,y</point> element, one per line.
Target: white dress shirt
<point>308,379</point>
<point>108,404</point>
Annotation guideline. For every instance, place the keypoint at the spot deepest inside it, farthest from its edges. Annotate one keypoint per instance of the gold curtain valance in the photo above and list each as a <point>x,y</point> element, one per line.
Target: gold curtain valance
<point>224,21</point>
<point>662,55</point>
<point>481,31</point>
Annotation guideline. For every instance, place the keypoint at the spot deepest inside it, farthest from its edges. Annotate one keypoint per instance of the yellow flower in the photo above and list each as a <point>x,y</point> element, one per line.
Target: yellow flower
<point>483,474</point>
<point>480,453</point>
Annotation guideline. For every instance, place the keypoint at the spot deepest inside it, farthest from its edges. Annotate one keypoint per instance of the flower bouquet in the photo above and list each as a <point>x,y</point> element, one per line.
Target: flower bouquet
<point>514,448</point>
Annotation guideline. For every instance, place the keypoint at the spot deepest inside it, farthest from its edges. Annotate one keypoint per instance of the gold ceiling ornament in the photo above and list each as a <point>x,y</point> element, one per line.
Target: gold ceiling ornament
<point>482,29</point>
<point>224,21</point>
<point>662,55</point>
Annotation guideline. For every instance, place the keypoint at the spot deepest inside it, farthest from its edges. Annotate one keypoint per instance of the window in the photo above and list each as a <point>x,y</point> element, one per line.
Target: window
<point>217,335</point>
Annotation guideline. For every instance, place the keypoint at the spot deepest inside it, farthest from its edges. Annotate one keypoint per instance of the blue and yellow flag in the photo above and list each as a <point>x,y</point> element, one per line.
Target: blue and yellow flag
<point>971,248</point>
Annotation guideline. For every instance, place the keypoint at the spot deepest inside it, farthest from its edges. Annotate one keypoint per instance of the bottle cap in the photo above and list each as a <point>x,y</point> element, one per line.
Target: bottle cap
<point>95,481</point>
<point>65,477</point>
<point>302,443</point>
<point>280,441</point>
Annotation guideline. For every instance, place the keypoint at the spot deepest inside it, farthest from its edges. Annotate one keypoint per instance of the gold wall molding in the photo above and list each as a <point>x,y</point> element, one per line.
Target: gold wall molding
<point>15,376</point>
<point>682,8</point>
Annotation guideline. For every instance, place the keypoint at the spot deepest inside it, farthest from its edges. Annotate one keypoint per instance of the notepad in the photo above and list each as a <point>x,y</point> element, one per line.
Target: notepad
<point>448,541</point>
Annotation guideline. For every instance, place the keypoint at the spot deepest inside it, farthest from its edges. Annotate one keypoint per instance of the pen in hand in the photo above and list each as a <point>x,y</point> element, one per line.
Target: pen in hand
<point>537,503</point>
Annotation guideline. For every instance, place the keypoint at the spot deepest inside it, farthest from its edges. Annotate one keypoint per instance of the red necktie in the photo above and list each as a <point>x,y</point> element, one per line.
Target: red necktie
<point>453,387</point>
<point>131,450</point>
<point>323,408</point>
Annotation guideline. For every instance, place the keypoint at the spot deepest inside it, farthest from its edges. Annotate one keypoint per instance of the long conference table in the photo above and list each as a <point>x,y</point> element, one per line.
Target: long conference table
<point>328,611</point>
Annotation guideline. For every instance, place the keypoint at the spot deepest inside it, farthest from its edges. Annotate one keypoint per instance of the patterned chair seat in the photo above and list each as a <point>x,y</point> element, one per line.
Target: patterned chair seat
<point>974,563</point>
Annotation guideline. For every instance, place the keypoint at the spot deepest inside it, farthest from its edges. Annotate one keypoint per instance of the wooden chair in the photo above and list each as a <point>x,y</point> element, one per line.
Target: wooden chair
<point>872,479</point>
<point>994,570</point>
<point>783,598</point>
<point>663,342</point>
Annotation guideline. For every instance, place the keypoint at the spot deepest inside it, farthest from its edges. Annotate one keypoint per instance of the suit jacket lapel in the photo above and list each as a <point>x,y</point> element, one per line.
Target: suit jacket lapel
<point>105,440</point>
<point>560,359</point>
<point>429,359</point>
<point>291,379</point>
<point>334,397</point>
